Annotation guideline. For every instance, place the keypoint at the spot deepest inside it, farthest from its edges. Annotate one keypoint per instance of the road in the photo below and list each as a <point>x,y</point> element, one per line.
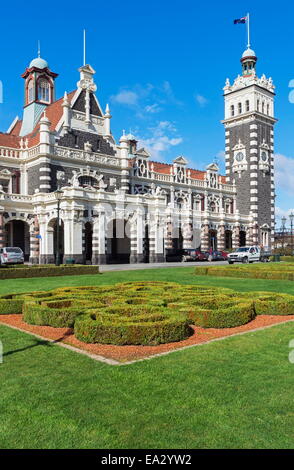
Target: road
<point>127,267</point>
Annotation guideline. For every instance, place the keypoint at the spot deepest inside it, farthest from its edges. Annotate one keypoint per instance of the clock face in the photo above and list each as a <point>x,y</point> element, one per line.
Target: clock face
<point>239,157</point>
<point>264,156</point>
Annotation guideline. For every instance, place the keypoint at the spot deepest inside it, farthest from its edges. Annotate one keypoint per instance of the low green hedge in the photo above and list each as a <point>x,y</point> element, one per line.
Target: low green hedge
<point>9,306</point>
<point>37,314</point>
<point>225,316</point>
<point>144,313</point>
<point>165,328</point>
<point>46,271</point>
<point>278,271</point>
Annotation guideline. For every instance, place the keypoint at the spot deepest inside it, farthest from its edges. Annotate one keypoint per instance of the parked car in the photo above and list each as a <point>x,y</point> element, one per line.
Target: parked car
<point>201,256</point>
<point>249,254</point>
<point>217,255</point>
<point>11,255</point>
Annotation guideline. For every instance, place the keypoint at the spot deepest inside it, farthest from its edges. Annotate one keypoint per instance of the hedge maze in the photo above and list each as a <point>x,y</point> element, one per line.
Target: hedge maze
<point>143,313</point>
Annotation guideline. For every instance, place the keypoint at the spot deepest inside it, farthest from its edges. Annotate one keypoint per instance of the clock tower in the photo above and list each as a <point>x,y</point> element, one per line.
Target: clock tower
<point>249,146</point>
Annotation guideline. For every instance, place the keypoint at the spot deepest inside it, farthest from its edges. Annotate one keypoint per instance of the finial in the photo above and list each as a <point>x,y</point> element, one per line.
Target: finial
<point>107,110</point>
<point>124,132</point>
<point>39,49</point>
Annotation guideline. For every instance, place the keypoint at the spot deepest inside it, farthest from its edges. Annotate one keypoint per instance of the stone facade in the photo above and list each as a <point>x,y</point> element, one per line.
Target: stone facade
<point>117,205</point>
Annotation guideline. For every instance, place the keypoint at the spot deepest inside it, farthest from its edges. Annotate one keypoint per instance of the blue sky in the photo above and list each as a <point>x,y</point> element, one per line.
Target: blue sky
<point>161,65</point>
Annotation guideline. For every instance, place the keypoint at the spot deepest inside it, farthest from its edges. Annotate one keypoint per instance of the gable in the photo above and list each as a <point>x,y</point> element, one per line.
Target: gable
<point>80,104</point>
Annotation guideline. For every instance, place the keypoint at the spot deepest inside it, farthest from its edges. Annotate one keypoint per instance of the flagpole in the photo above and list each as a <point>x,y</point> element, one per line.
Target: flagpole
<point>84,47</point>
<point>248,30</point>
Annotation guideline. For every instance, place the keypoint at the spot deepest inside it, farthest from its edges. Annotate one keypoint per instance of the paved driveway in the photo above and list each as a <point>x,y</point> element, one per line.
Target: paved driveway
<point>127,267</point>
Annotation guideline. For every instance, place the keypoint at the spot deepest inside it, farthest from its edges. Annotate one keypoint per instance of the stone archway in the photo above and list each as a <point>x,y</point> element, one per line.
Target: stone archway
<point>118,242</point>
<point>212,239</point>
<point>88,242</point>
<point>52,240</point>
<point>242,238</point>
<point>228,239</point>
<point>17,234</point>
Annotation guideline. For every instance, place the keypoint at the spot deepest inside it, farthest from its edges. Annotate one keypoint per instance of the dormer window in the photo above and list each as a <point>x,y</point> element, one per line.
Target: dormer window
<point>30,91</point>
<point>43,90</point>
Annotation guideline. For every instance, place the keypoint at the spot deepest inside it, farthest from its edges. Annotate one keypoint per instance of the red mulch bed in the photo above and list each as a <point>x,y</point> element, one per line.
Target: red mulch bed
<point>129,353</point>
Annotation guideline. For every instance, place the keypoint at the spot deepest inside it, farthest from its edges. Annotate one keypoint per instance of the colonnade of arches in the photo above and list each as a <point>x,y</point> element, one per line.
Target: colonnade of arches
<point>118,240</point>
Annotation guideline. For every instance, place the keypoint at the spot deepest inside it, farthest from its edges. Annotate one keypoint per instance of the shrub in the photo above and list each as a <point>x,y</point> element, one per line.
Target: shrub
<point>36,314</point>
<point>225,316</point>
<point>45,271</point>
<point>10,306</point>
<point>165,328</point>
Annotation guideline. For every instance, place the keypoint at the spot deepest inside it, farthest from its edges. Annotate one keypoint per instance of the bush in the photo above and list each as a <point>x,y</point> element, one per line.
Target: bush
<point>8,306</point>
<point>145,330</point>
<point>225,316</point>
<point>144,313</point>
<point>45,271</point>
<point>36,314</point>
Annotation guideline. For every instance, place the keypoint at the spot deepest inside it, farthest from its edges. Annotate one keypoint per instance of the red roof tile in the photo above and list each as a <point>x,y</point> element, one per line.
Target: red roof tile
<point>11,141</point>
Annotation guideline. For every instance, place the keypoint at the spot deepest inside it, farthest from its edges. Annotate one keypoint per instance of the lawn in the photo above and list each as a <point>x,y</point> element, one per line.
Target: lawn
<point>234,393</point>
<point>182,275</point>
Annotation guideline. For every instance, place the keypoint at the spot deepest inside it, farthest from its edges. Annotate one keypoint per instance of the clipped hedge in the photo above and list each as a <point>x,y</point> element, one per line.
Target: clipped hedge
<point>146,313</point>
<point>10,306</point>
<point>164,328</point>
<point>279,271</point>
<point>47,271</point>
<point>37,314</point>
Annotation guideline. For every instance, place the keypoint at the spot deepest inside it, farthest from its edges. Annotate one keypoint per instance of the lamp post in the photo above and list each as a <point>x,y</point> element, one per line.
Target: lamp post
<point>58,195</point>
<point>283,231</point>
<point>291,216</point>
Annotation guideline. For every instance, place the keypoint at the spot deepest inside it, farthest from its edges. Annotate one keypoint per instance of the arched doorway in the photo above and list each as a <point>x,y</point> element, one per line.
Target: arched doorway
<point>118,242</point>
<point>242,238</point>
<point>88,239</point>
<point>178,241</point>
<point>212,239</point>
<point>228,240</point>
<point>18,234</point>
<point>52,240</point>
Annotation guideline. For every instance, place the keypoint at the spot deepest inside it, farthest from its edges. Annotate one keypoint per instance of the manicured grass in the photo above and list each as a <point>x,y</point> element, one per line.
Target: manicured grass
<point>183,275</point>
<point>235,393</point>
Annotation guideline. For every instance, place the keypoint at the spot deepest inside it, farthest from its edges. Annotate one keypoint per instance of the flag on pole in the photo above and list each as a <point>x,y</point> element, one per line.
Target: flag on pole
<point>241,20</point>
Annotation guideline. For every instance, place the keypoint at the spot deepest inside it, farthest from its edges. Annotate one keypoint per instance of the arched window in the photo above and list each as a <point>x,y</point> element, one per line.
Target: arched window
<point>43,90</point>
<point>232,110</point>
<point>240,108</point>
<point>30,91</point>
<point>247,106</point>
<point>257,105</point>
<point>262,107</point>
<point>267,109</point>
<point>87,181</point>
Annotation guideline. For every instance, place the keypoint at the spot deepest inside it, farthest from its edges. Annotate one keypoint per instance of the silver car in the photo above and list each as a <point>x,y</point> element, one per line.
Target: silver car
<point>11,255</point>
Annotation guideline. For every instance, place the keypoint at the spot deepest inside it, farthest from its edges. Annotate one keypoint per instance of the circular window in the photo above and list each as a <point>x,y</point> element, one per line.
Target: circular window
<point>239,157</point>
<point>264,156</point>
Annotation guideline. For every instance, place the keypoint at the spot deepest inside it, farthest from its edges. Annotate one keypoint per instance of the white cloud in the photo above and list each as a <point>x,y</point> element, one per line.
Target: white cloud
<point>160,138</point>
<point>201,100</point>
<point>153,108</point>
<point>126,97</point>
<point>284,170</point>
<point>146,99</point>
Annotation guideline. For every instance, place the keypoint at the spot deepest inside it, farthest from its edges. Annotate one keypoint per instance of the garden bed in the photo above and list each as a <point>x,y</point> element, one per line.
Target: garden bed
<point>132,353</point>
